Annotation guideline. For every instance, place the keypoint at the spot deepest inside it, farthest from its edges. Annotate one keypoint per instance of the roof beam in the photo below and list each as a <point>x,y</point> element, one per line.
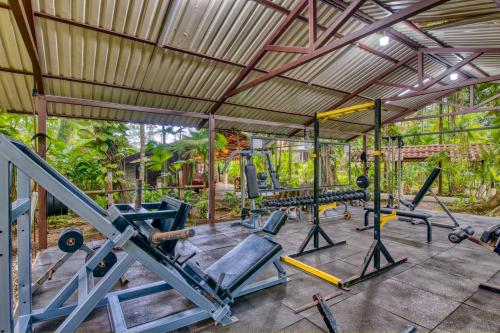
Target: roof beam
<point>273,38</point>
<point>362,46</point>
<point>170,112</point>
<point>453,86</point>
<point>394,85</point>
<point>431,116</point>
<point>368,84</point>
<point>339,22</point>
<point>23,15</point>
<point>403,14</point>
<point>374,80</point>
<point>486,101</point>
<point>173,48</point>
<point>449,71</point>
<point>448,50</point>
<point>156,92</point>
<point>425,34</point>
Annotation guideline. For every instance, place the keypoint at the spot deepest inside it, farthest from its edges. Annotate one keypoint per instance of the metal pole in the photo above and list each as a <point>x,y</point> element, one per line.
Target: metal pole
<point>451,131</point>
<point>376,183</point>
<point>316,179</point>
<point>388,164</point>
<point>42,194</point>
<point>400,168</point>
<point>211,170</point>
<point>365,150</point>
<point>6,295</point>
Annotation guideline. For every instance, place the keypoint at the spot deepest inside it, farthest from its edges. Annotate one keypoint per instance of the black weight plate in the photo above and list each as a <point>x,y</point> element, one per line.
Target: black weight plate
<point>70,240</point>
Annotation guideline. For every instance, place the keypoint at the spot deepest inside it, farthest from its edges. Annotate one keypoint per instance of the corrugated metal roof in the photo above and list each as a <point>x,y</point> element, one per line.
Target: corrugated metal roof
<point>232,31</point>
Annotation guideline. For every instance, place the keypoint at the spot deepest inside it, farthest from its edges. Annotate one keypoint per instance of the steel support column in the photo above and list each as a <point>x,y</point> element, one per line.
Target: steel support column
<point>6,291</point>
<point>365,150</point>
<point>211,169</point>
<point>42,194</point>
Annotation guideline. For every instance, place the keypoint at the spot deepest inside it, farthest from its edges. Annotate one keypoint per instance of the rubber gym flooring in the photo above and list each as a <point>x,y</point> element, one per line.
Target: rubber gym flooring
<point>436,290</point>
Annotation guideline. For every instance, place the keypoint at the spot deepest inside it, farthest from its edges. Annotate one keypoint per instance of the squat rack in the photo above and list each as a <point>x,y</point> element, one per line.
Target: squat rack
<point>377,248</point>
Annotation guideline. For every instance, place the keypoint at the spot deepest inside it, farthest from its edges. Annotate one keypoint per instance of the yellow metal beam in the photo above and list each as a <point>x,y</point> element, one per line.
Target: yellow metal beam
<point>324,208</point>
<point>386,218</point>
<point>335,113</point>
<point>313,271</point>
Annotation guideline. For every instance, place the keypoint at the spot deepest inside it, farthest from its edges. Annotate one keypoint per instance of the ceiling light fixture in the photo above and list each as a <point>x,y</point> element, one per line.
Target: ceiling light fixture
<point>453,76</point>
<point>384,41</point>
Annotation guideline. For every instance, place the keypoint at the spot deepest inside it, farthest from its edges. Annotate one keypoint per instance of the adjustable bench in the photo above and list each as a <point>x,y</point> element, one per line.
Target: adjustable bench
<point>421,194</point>
<point>425,218</point>
<point>147,235</point>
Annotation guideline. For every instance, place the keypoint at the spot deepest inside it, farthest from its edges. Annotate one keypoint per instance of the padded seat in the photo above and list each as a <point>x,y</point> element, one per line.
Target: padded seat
<point>243,261</point>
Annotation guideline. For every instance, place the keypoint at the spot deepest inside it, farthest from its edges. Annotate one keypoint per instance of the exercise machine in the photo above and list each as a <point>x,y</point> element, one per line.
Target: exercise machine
<point>251,183</point>
<point>316,230</point>
<point>377,248</point>
<point>147,235</point>
<point>490,239</point>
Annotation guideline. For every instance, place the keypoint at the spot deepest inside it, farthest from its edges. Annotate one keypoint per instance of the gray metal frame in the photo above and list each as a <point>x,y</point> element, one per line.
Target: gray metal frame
<point>92,294</point>
<point>321,142</point>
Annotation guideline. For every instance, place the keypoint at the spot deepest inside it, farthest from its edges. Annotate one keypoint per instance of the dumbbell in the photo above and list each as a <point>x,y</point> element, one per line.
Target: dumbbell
<point>459,234</point>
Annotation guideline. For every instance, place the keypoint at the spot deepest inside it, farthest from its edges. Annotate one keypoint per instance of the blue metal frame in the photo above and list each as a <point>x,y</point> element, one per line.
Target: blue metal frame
<point>93,294</point>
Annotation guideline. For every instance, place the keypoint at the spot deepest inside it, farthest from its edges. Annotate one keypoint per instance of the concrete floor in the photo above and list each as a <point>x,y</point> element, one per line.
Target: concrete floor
<point>436,290</point>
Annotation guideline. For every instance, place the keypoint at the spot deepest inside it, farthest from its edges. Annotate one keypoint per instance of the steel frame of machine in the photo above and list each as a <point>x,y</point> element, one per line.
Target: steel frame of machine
<point>93,294</point>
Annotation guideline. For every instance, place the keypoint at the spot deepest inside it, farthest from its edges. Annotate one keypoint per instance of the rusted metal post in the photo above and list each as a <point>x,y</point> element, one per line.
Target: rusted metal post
<point>42,194</point>
<point>109,189</point>
<point>211,169</point>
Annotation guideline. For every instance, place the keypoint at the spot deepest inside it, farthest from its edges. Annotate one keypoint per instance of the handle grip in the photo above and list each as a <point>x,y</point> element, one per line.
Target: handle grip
<point>158,236</point>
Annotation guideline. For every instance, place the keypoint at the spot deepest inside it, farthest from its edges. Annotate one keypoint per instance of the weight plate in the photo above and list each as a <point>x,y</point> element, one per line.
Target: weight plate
<point>362,182</point>
<point>70,240</point>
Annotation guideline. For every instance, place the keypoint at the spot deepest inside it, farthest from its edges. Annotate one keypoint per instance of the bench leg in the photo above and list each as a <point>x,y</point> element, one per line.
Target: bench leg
<point>429,230</point>
<point>366,226</point>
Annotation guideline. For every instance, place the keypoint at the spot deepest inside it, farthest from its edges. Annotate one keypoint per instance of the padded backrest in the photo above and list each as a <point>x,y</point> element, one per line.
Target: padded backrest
<point>426,187</point>
<point>274,222</point>
<point>171,224</point>
<point>252,182</point>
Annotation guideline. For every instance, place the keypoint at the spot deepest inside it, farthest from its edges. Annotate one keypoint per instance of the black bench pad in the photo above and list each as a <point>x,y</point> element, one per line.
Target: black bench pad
<point>243,261</point>
<point>405,213</point>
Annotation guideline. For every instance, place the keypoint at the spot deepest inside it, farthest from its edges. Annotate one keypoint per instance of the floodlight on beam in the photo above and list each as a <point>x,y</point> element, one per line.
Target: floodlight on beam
<point>345,111</point>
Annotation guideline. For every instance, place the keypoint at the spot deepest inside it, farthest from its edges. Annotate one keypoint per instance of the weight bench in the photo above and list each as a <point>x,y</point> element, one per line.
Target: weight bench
<point>147,235</point>
<point>425,218</point>
<point>421,194</point>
